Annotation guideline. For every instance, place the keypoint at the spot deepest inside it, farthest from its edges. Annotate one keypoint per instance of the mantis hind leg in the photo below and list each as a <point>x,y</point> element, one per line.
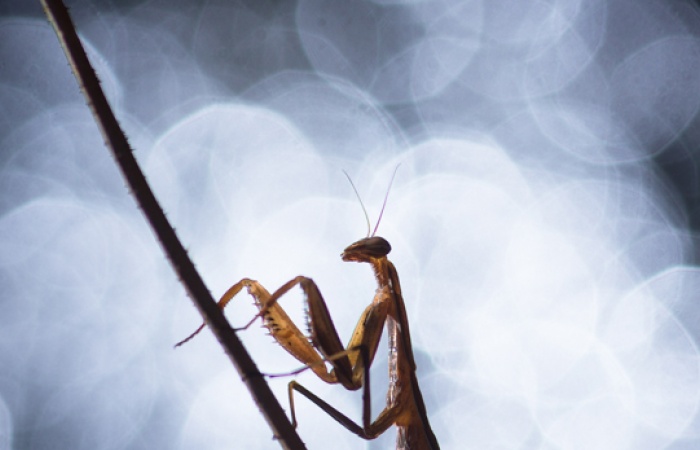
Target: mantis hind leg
<point>369,429</point>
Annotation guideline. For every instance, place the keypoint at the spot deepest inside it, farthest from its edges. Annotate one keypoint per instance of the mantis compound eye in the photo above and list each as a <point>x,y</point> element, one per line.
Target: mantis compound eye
<point>364,249</point>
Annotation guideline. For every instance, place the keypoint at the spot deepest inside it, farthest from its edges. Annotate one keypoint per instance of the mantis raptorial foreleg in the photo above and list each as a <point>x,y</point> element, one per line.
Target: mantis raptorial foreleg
<point>350,364</point>
<point>281,327</point>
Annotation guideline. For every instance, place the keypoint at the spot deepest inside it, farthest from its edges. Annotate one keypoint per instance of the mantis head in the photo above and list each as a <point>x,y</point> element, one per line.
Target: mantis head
<point>365,249</point>
<point>371,247</point>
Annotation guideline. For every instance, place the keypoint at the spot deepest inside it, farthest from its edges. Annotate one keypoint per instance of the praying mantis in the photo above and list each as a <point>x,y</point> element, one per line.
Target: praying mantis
<point>351,364</point>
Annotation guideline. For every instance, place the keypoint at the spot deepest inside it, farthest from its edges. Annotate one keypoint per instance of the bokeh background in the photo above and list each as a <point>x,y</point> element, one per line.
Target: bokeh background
<point>544,217</point>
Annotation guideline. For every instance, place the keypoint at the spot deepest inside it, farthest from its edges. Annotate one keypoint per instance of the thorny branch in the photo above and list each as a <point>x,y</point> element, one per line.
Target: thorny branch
<point>117,143</point>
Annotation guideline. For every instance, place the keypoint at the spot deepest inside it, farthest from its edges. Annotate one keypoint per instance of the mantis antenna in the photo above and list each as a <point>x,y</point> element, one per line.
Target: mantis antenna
<point>361,204</point>
<point>386,197</point>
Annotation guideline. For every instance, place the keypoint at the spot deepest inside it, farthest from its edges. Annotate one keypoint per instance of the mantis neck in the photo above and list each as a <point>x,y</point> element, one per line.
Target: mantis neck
<point>381,272</point>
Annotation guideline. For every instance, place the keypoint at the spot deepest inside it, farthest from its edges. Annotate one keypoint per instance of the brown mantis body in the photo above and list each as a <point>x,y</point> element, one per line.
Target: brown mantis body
<point>350,365</point>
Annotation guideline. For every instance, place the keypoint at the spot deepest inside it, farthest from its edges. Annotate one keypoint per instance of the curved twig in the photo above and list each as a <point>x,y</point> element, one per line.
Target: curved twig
<point>123,155</point>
